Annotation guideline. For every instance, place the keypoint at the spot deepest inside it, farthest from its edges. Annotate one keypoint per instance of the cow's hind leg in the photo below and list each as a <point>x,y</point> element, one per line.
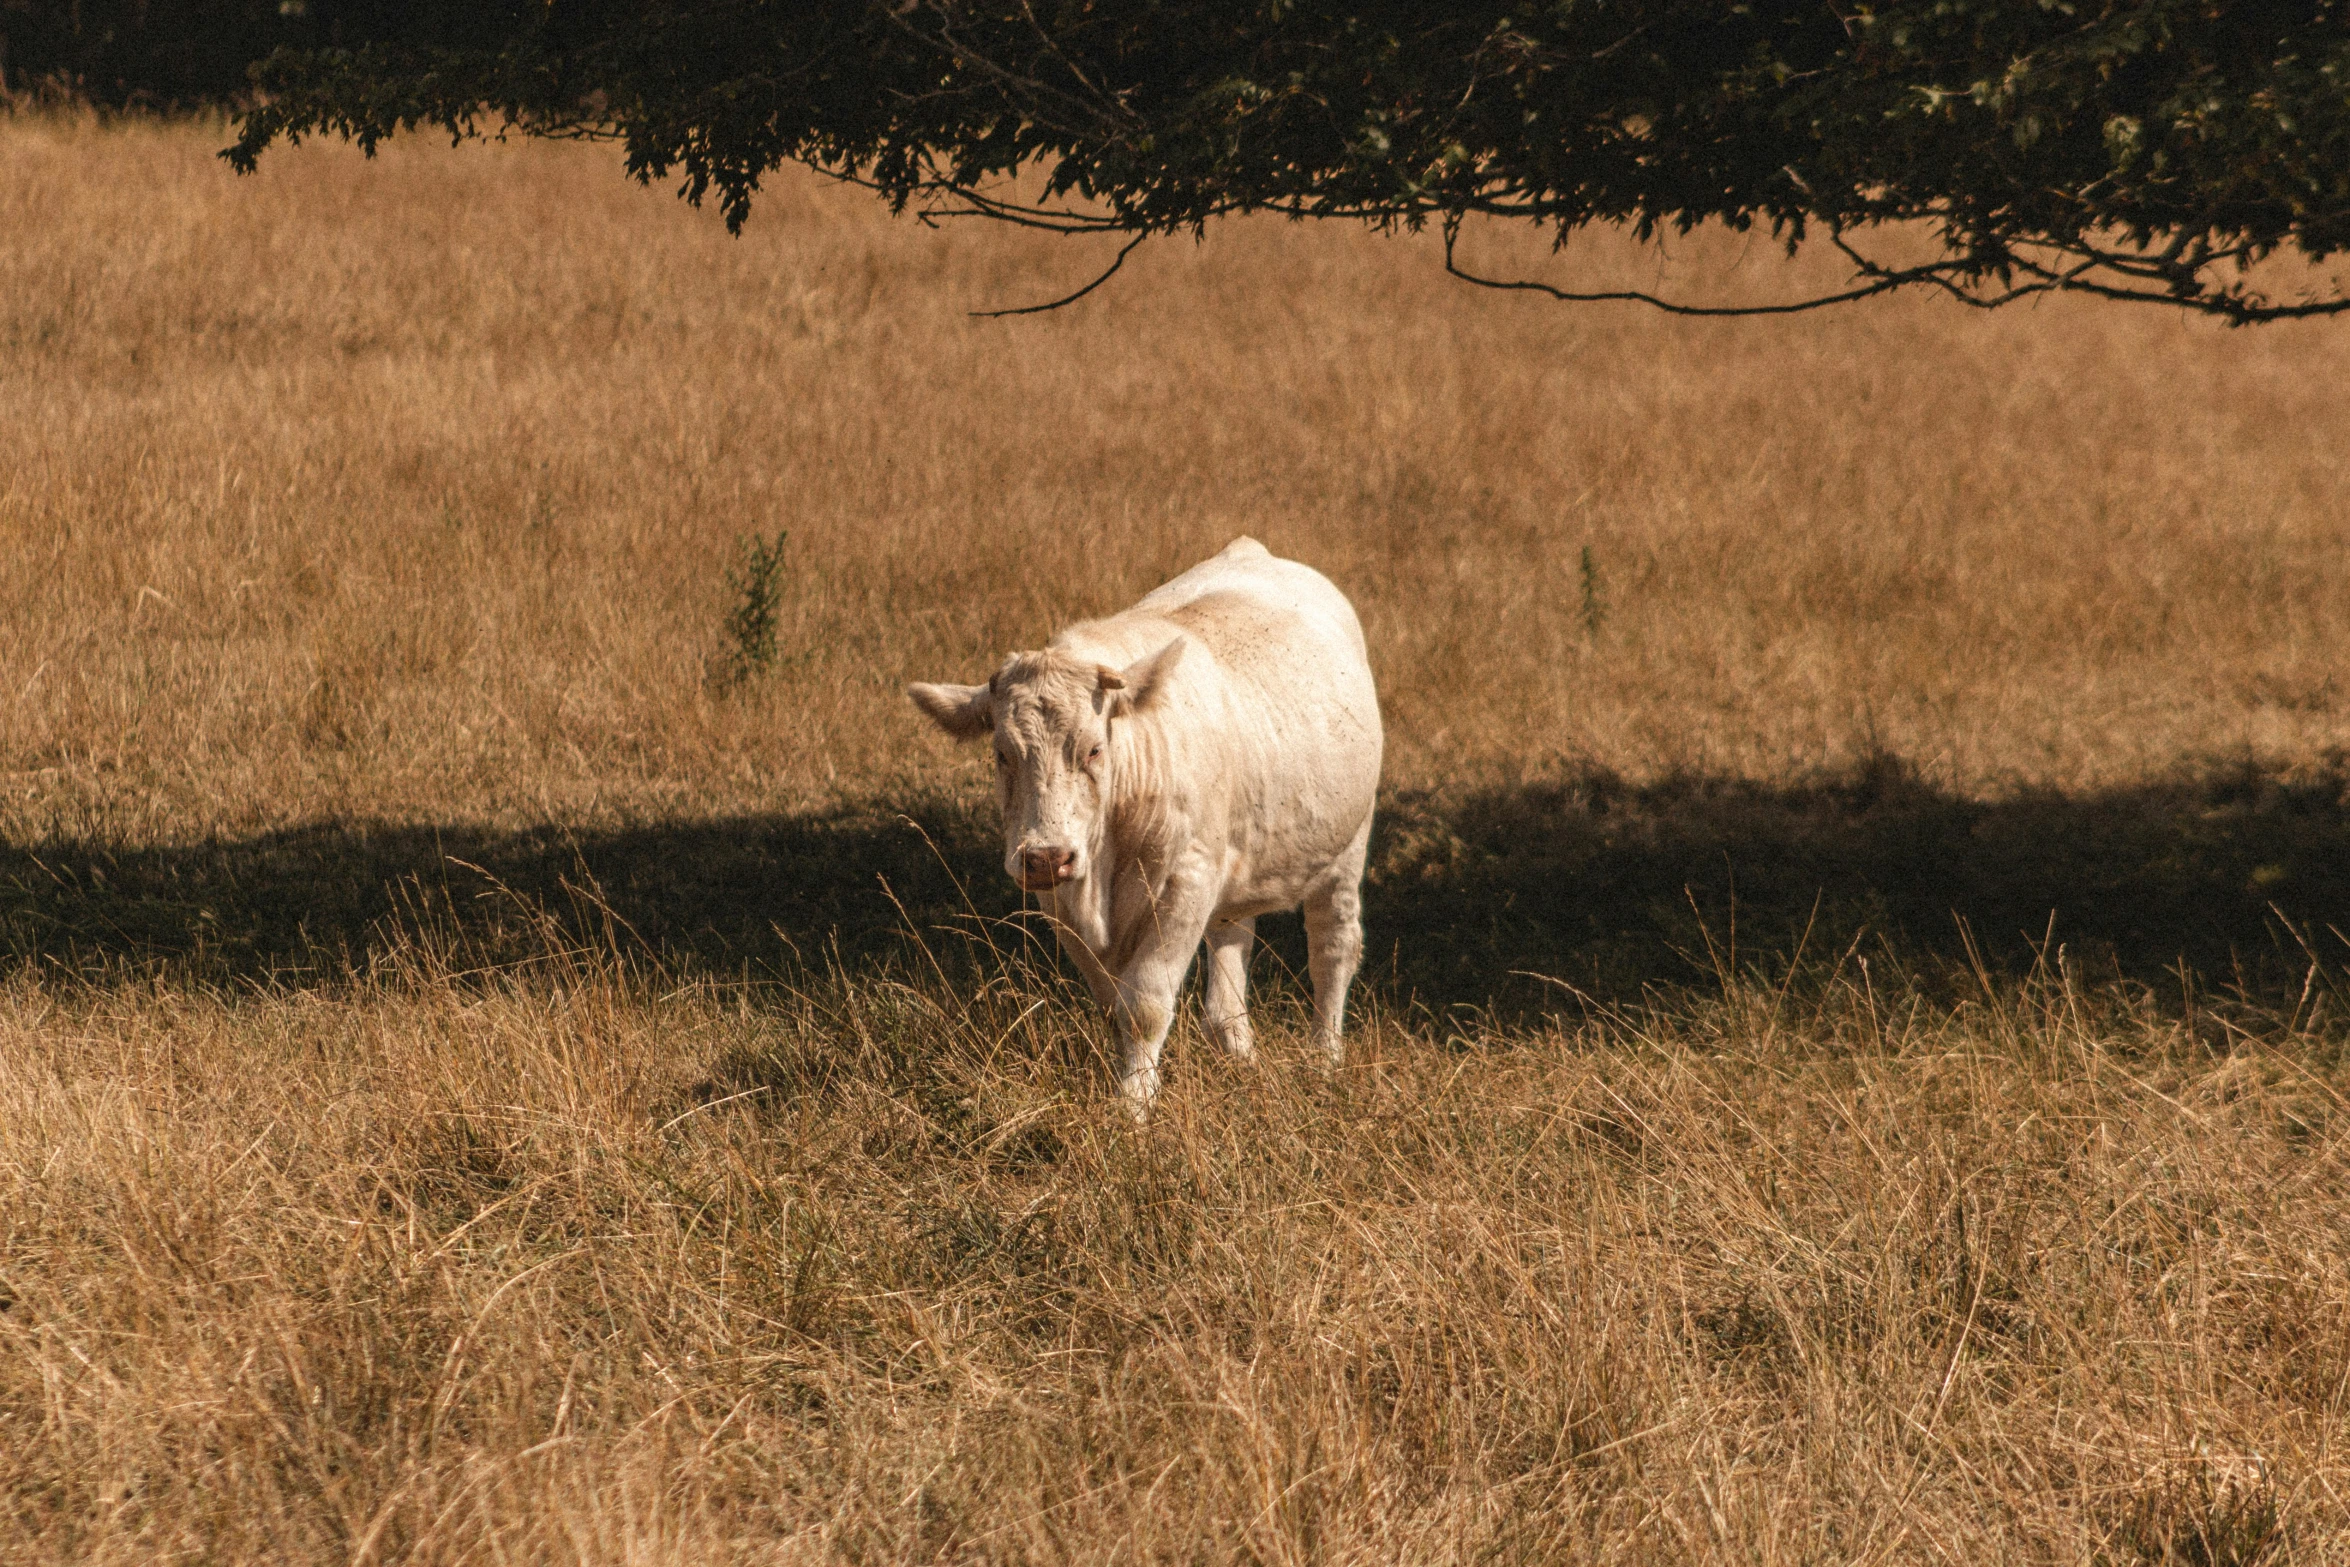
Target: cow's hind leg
<point>1227,1000</point>
<point>1334,941</point>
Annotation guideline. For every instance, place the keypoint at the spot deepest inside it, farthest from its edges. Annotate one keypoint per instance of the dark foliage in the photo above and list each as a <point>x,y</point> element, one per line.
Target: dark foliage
<point>2143,149</point>
<point>154,52</point>
<point>192,53</point>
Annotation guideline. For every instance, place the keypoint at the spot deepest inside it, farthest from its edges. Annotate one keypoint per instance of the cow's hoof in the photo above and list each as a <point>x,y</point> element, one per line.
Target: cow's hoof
<point>1136,1090</point>
<point>1237,1043</point>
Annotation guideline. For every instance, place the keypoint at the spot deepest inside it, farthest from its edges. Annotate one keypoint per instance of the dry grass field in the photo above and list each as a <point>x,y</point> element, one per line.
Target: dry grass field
<point>1852,1063</point>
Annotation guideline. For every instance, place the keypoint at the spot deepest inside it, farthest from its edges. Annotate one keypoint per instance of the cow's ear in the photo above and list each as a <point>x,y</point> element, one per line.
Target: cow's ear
<point>1140,683</point>
<point>966,712</point>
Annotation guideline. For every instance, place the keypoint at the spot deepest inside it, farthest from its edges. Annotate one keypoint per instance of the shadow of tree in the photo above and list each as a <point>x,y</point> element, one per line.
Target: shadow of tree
<point>1607,886</point>
<point>1613,887</point>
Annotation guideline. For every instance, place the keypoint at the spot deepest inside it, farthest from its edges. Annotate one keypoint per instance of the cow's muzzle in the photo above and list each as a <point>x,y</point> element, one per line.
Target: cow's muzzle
<point>1041,870</point>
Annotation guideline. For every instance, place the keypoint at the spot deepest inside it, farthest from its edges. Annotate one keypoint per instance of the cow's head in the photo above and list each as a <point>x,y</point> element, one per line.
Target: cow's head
<point>1054,722</point>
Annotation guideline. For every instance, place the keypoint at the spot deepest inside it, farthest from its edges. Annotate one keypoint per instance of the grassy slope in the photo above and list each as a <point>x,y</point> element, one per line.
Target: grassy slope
<point>465,1093</point>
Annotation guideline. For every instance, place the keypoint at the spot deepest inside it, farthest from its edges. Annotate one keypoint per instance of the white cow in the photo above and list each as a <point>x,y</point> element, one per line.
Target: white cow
<point>1172,772</point>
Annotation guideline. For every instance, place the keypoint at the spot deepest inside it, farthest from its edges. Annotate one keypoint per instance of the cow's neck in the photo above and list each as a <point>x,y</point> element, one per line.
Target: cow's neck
<point>1131,834</point>
<point>1083,905</point>
<point>1136,811</point>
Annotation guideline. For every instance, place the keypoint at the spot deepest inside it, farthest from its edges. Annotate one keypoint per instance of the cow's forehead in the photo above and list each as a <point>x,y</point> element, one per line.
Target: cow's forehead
<point>1047,693</point>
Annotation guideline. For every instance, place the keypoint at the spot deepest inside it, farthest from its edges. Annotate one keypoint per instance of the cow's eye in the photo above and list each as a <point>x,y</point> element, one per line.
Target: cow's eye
<point>1095,754</point>
<point>1003,759</point>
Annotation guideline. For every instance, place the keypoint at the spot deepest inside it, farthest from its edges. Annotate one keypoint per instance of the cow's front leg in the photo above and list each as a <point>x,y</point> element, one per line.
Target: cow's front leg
<point>1227,999</point>
<point>1098,979</point>
<point>1145,1007</point>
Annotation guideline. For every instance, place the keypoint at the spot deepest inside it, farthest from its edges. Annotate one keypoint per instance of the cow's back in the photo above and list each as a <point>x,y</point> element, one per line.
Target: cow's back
<point>1247,568</point>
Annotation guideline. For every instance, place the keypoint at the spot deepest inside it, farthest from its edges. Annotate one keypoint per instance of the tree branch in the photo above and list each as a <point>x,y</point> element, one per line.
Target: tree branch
<point>1108,273</point>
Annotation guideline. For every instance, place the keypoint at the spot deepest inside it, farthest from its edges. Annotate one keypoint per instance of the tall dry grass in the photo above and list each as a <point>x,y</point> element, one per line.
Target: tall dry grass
<point>403,489</point>
<point>565,1267</point>
<point>461,1098</point>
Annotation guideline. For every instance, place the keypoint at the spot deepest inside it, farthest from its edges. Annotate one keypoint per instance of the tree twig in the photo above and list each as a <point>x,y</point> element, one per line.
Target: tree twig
<point>1070,299</point>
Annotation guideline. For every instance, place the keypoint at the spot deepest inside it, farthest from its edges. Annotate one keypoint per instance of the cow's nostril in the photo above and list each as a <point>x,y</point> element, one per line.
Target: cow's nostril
<point>1041,868</point>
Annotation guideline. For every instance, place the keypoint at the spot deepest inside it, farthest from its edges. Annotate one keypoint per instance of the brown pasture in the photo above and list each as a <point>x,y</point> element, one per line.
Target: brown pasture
<point>1852,1061</point>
